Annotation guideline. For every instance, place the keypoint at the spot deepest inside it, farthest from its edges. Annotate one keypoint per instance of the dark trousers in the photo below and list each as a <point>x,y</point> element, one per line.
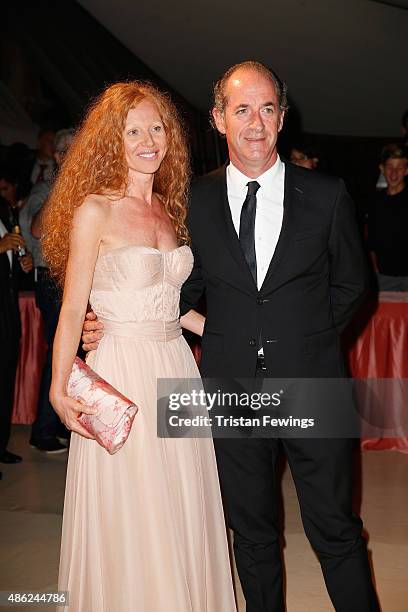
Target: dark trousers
<point>322,472</point>
<point>8,366</point>
<point>47,423</point>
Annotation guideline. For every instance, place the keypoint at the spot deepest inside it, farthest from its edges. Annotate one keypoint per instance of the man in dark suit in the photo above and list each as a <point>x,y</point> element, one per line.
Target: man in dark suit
<point>278,256</point>
<point>10,329</point>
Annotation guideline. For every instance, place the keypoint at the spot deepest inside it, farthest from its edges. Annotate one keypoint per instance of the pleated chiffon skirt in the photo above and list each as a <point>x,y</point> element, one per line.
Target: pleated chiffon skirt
<point>143,530</point>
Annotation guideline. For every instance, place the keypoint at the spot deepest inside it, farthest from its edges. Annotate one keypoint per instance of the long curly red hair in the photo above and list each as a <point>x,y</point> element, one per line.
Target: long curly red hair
<point>95,164</point>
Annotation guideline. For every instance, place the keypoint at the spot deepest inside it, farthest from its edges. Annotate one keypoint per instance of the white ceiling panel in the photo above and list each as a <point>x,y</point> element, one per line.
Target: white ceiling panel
<point>345,61</point>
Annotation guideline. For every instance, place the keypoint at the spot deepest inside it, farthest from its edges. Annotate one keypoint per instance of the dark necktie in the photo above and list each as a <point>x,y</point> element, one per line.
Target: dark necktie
<point>247,227</point>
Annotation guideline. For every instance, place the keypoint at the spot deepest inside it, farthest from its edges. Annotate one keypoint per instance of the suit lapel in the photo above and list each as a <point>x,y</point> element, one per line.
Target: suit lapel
<point>223,220</point>
<point>291,195</point>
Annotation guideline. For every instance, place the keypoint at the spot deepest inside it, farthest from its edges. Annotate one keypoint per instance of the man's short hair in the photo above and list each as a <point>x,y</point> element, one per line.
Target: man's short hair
<point>393,151</point>
<point>63,139</point>
<point>220,99</point>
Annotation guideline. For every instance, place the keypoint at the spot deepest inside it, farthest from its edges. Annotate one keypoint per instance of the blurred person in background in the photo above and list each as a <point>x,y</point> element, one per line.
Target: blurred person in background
<point>44,165</point>
<point>305,155</point>
<point>14,205</point>
<point>11,244</point>
<point>388,222</point>
<point>47,434</point>
<point>10,191</point>
<point>381,181</point>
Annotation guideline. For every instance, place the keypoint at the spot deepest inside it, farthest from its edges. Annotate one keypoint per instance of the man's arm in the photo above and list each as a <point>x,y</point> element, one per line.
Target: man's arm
<point>193,288</point>
<point>348,265</point>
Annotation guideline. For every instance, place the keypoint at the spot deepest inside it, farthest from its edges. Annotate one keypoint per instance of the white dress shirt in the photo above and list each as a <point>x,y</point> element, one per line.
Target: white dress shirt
<point>269,210</point>
<point>3,232</point>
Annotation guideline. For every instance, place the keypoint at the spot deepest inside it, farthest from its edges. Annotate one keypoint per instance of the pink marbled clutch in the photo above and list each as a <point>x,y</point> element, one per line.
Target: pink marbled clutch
<point>113,421</point>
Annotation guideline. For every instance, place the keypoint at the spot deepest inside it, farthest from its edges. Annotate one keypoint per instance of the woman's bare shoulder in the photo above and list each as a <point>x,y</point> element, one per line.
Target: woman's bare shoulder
<point>94,208</point>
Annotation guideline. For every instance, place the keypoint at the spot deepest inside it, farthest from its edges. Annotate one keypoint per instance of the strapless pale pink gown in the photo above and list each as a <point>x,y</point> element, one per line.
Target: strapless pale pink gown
<point>143,530</point>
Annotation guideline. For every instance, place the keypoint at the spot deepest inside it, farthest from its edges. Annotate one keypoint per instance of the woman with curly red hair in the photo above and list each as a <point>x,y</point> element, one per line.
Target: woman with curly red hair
<point>143,529</point>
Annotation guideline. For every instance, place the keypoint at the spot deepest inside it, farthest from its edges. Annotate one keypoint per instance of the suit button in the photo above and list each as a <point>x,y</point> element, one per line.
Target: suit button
<point>259,301</point>
<point>252,342</point>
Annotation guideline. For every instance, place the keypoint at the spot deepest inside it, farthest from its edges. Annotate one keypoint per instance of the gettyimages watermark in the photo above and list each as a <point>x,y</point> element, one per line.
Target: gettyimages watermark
<point>284,408</point>
<point>214,401</point>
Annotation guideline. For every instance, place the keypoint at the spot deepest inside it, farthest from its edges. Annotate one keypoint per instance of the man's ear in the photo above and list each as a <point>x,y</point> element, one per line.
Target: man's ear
<point>382,168</point>
<point>281,118</point>
<point>218,117</point>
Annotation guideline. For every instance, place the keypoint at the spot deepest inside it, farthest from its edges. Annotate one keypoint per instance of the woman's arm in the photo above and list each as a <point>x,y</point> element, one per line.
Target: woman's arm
<point>193,321</point>
<point>85,239</point>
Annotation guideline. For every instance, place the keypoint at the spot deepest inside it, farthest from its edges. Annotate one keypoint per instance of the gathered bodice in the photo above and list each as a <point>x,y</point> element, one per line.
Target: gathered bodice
<point>139,283</point>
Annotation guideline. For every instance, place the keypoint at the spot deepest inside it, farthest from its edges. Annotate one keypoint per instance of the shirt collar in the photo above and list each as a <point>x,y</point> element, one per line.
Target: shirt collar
<point>237,181</point>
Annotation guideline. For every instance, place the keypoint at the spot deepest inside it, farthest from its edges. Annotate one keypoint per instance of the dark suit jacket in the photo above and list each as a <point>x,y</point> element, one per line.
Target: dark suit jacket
<point>315,280</point>
<point>9,311</point>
